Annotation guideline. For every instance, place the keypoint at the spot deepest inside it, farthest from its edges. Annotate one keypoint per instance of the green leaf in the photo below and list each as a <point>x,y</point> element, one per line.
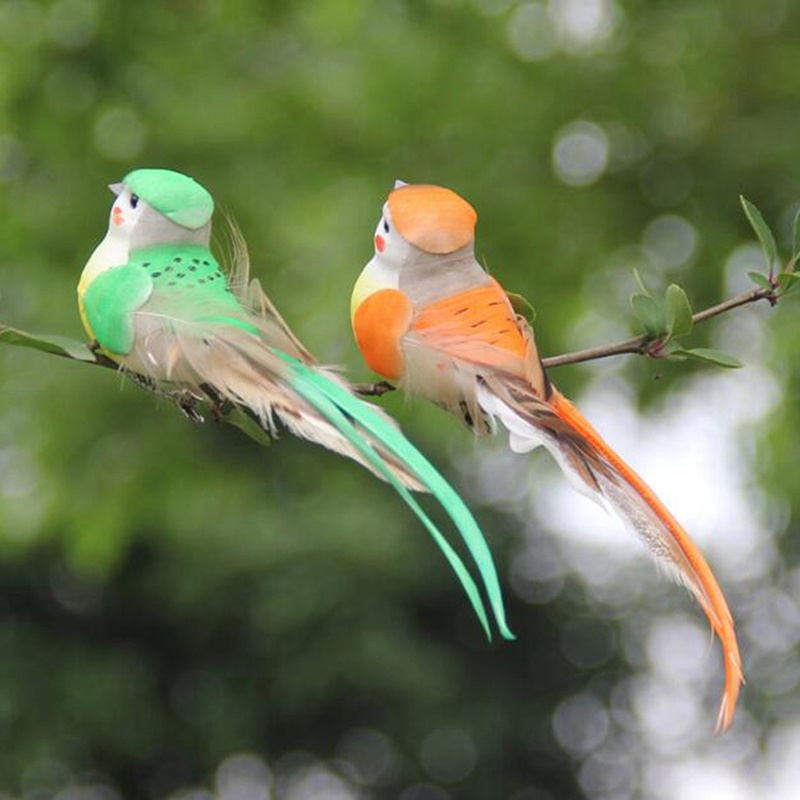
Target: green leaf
<point>761,280</point>
<point>679,311</point>
<point>787,281</point>
<point>58,345</point>
<point>650,313</point>
<point>245,423</point>
<point>796,235</point>
<point>709,356</point>
<point>640,283</point>
<point>521,306</point>
<point>671,348</point>
<point>762,231</point>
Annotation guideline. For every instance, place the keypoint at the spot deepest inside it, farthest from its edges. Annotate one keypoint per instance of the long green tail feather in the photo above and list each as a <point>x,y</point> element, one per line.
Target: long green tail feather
<point>393,440</point>
<point>307,383</point>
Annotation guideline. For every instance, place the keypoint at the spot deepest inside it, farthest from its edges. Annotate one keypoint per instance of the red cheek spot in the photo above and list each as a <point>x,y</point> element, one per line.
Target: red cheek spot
<point>116,215</point>
<point>380,244</point>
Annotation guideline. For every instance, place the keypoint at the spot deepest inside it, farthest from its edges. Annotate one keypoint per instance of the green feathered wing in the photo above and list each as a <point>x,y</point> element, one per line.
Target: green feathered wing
<point>109,303</point>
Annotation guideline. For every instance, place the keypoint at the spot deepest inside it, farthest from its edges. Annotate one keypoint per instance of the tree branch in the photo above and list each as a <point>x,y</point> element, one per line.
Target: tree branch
<point>641,345</point>
<point>645,345</point>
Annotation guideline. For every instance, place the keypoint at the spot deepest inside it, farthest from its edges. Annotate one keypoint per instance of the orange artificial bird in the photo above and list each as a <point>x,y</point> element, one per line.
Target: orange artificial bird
<point>426,314</point>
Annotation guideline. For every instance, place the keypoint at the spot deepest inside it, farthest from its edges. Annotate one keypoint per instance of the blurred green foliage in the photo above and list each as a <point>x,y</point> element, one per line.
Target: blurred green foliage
<point>173,595</point>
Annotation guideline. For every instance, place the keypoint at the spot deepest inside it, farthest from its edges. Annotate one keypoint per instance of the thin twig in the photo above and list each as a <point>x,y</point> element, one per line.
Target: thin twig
<point>646,345</point>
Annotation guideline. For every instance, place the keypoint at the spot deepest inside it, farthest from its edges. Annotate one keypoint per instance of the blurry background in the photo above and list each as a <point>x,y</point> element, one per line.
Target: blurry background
<point>185,614</point>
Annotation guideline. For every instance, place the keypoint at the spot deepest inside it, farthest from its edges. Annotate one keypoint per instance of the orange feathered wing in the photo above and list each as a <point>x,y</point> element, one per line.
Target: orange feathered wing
<point>477,325</point>
<point>379,324</point>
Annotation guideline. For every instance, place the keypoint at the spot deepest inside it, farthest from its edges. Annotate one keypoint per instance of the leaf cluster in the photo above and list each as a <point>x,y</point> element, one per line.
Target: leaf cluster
<point>666,320</point>
<point>776,281</point>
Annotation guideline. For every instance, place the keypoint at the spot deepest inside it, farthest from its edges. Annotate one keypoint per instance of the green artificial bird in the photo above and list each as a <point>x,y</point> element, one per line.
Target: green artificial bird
<point>156,301</point>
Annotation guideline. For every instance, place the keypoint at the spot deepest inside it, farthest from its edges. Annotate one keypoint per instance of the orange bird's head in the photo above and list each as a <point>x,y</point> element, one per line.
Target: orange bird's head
<point>417,221</point>
<point>433,219</point>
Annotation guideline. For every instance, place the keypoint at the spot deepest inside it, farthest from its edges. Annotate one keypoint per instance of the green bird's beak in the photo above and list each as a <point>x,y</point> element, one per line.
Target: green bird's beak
<point>115,187</point>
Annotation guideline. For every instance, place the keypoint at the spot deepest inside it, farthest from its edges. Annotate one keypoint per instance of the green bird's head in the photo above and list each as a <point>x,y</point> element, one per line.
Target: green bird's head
<point>160,206</point>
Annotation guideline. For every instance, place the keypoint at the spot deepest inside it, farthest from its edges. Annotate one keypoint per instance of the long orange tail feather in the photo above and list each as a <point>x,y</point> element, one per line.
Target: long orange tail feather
<point>693,567</point>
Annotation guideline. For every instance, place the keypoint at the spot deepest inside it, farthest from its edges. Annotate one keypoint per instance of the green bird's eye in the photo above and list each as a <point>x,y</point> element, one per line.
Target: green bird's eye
<point>134,200</point>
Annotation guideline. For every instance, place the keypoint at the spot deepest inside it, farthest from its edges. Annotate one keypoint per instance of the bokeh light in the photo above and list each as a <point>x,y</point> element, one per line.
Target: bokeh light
<point>580,153</point>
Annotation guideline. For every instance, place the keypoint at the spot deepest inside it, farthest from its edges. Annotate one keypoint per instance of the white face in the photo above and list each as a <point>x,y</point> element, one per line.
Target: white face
<point>383,269</point>
<point>125,211</point>
<point>390,247</point>
<point>115,247</point>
